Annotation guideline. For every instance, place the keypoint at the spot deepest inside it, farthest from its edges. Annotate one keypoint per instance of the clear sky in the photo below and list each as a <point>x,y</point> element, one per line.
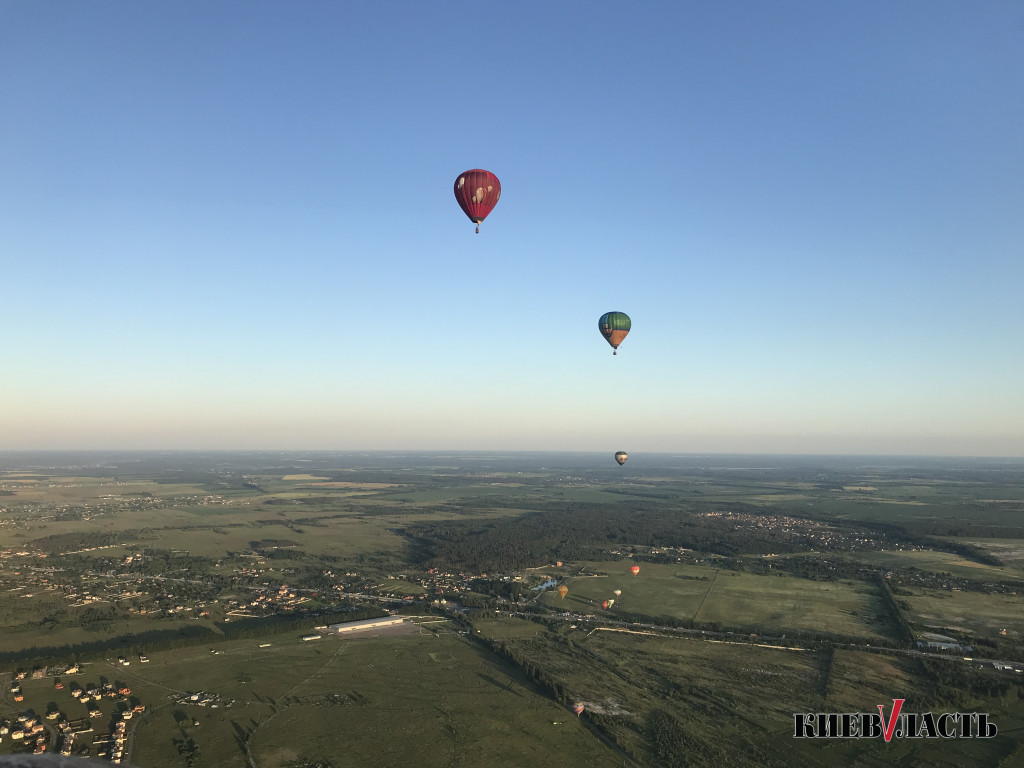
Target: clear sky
<point>231,225</point>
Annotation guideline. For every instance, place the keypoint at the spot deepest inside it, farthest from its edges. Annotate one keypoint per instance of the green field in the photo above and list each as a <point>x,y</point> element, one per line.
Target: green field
<point>974,613</point>
<point>430,700</point>
<point>732,599</point>
<point>733,704</point>
<point>1010,551</point>
<point>942,562</point>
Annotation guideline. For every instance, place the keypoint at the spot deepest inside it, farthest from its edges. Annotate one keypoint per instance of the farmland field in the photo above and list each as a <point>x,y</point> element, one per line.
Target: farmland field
<point>983,615</point>
<point>944,562</point>
<point>450,703</point>
<point>733,704</point>
<point>708,594</point>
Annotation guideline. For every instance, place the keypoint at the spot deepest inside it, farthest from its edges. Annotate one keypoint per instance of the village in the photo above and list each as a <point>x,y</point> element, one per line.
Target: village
<point>99,730</point>
<point>252,587</point>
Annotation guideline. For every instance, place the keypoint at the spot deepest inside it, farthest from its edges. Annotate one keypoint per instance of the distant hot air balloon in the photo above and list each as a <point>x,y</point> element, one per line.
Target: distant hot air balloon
<point>617,593</point>
<point>577,708</point>
<point>614,326</point>
<point>621,456</point>
<point>611,602</point>
<point>477,192</point>
<point>635,569</point>
<point>558,563</point>
<point>563,590</point>
<point>604,605</point>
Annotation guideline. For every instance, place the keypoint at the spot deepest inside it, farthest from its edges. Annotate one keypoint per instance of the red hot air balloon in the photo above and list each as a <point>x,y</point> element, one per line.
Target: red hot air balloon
<point>577,709</point>
<point>604,605</point>
<point>477,192</point>
<point>635,569</point>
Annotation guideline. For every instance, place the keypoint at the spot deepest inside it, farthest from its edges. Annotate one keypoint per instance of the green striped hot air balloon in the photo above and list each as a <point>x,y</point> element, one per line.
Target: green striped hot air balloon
<point>614,326</point>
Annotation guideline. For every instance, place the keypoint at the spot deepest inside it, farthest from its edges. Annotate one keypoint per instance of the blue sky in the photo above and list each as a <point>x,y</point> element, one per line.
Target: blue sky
<point>231,225</point>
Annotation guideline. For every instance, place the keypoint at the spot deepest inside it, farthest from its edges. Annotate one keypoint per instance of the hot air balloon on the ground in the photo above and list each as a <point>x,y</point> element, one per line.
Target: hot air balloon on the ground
<point>614,326</point>
<point>577,709</point>
<point>563,590</point>
<point>604,605</point>
<point>621,456</point>
<point>477,192</point>
<point>635,569</point>
<point>617,593</point>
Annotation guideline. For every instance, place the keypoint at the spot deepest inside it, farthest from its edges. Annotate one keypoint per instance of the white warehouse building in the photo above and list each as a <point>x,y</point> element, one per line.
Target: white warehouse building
<point>355,626</point>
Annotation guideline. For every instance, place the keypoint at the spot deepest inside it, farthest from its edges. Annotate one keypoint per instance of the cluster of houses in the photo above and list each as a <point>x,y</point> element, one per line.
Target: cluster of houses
<point>118,581</point>
<point>26,727</point>
<point>71,730</point>
<point>812,534</point>
<point>267,601</point>
<point>111,745</point>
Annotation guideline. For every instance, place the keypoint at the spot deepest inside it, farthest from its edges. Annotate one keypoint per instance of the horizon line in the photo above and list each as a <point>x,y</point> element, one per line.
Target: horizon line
<point>632,452</point>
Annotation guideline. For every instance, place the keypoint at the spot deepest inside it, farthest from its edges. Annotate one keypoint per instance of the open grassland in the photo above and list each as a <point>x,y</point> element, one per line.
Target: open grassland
<point>857,680</point>
<point>338,536</point>
<point>93,490</point>
<point>941,562</point>
<point>429,700</point>
<point>1009,551</point>
<point>439,495</point>
<point>733,704</point>
<point>975,613</point>
<point>707,594</point>
<point>933,507</point>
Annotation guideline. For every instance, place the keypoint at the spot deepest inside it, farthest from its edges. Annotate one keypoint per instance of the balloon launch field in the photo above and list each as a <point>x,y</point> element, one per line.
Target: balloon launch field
<point>732,599</point>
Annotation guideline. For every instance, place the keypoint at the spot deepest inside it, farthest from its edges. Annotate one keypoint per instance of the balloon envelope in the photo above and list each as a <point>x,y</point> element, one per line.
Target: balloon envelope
<point>618,593</point>
<point>578,709</point>
<point>604,605</point>
<point>614,326</point>
<point>477,192</point>
<point>635,569</point>
<point>563,590</point>
<point>621,457</point>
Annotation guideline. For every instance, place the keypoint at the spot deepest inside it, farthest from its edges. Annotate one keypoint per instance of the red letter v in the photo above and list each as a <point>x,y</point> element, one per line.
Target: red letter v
<point>890,727</point>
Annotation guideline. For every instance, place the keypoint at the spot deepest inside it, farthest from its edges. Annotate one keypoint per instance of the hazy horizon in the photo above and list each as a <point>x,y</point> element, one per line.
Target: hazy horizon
<point>482,453</point>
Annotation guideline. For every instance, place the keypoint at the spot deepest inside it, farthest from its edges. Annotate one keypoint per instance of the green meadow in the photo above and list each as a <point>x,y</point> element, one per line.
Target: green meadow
<point>973,613</point>
<point>430,699</point>
<point>763,603</point>
<point>676,700</point>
